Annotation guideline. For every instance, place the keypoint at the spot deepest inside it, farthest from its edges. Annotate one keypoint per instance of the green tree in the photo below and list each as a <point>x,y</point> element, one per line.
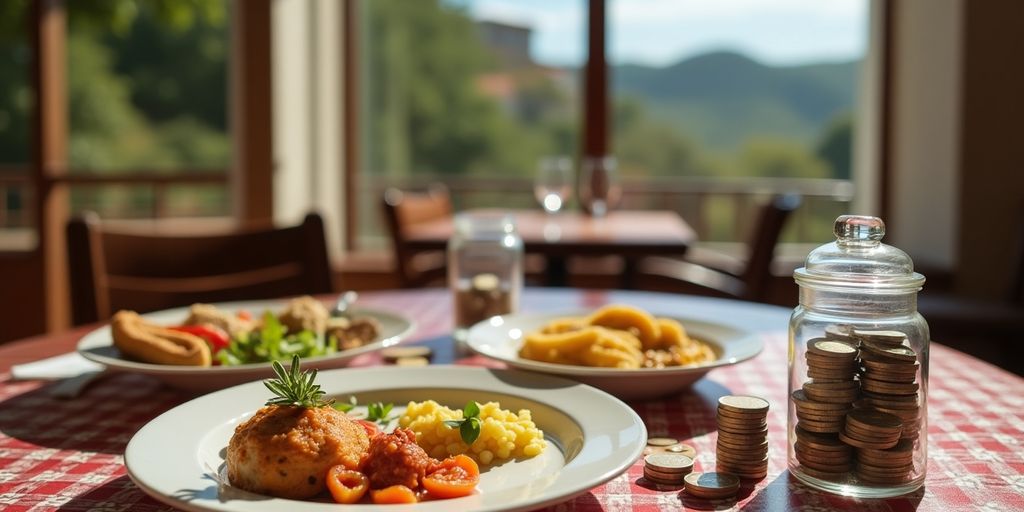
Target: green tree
<point>644,146</point>
<point>835,146</point>
<point>778,158</point>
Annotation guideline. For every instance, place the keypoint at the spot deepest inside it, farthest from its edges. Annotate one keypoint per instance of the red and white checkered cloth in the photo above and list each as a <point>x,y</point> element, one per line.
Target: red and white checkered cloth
<point>68,454</point>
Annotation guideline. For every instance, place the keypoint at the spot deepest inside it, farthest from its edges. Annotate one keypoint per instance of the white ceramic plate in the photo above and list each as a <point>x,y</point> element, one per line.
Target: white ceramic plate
<point>501,337</point>
<point>178,457</point>
<point>98,346</point>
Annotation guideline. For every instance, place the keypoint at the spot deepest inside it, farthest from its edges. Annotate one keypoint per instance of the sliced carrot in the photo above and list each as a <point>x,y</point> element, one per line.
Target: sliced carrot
<point>393,495</point>
<point>346,486</point>
<point>454,477</point>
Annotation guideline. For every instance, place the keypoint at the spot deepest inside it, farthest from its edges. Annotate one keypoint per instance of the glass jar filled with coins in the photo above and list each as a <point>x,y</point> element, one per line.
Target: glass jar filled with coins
<point>858,367</point>
<point>485,268</point>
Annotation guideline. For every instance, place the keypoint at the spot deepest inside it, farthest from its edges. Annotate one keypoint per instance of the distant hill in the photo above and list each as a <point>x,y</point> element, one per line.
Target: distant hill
<point>721,98</point>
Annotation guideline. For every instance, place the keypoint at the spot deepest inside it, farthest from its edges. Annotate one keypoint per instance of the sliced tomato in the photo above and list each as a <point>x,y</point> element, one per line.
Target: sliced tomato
<point>244,314</point>
<point>346,486</point>
<point>371,428</point>
<point>393,495</point>
<point>454,477</point>
<point>215,337</point>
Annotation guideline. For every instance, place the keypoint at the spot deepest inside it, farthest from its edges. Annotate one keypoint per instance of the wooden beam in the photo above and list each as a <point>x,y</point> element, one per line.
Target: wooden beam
<point>49,152</point>
<point>596,114</point>
<point>350,77</point>
<point>252,112</point>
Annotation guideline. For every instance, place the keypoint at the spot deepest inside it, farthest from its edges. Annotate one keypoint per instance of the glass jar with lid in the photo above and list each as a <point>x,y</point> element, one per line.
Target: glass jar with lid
<point>858,367</point>
<point>485,268</point>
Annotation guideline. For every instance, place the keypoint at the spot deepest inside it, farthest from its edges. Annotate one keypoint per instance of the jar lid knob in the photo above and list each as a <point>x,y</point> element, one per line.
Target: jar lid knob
<point>859,228</point>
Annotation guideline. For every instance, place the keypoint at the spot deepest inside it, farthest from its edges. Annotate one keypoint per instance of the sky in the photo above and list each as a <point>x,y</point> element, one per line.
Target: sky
<point>661,32</point>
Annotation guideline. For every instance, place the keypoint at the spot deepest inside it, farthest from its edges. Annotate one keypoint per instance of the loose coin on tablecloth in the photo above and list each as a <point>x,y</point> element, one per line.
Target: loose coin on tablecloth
<point>712,485</point>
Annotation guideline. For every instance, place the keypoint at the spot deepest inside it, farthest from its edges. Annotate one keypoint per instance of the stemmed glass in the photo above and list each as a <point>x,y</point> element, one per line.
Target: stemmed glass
<point>599,185</point>
<point>552,185</point>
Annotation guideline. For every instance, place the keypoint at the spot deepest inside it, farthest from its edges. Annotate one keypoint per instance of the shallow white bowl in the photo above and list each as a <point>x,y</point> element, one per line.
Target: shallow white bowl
<point>501,337</point>
<point>98,346</point>
<point>178,458</point>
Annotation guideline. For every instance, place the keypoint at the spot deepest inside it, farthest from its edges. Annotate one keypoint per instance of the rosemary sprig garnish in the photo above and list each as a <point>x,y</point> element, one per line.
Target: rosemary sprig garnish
<point>295,388</point>
<point>469,425</point>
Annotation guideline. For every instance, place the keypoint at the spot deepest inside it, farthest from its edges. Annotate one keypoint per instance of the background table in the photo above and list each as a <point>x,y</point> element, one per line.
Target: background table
<point>626,233</point>
<point>67,454</point>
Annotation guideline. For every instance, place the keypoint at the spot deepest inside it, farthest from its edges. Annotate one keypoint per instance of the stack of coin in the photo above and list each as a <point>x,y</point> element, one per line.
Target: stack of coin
<point>832,389</point>
<point>871,429</point>
<point>742,448</point>
<point>712,486</point>
<point>667,468</point>
<point>890,466</point>
<point>889,377</point>
<point>823,456</point>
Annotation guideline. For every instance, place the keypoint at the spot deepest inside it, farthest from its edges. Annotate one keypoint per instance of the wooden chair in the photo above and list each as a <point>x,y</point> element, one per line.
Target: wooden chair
<point>113,269</point>
<point>403,210</point>
<point>751,282</point>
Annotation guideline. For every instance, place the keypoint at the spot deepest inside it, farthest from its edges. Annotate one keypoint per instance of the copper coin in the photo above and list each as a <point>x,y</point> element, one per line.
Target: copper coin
<point>884,480</point>
<point>741,428</point>
<point>865,444</point>
<point>741,439</point>
<point>742,416</point>
<point>880,336</point>
<point>741,455</point>
<point>743,404</point>
<point>740,463</point>
<point>820,441</point>
<point>746,474</point>
<point>889,388</point>
<point>820,428</point>
<point>839,456</point>
<point>748,446</point>
<point>832,349</point>
<point>821,416</point>
<point>883,462</point>
<point>669,462</point>
<point>890,366</point>
<point>872,437</point>
<point>907,400</point>
<point>873,420</point>
<point>823,458</point>
<point>832,385</point>
<point>827,466</point>
<point>864,467</point>
<point>820,362</point>
<point>661,441</point>
<point>845,398</point>
<point>801,400</point>
<point>666,476</point>
<point>896,378</point>
<point>712,484</point>
<point>903,448</point>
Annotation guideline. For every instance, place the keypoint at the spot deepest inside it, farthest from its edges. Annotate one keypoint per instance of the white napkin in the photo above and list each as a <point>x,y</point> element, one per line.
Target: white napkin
<point>57,367</point>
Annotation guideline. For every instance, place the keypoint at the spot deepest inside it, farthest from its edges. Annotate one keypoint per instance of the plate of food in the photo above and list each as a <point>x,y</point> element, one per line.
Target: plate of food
<point>212,346</point>
<point>444,438</point>
<point>626,351</point>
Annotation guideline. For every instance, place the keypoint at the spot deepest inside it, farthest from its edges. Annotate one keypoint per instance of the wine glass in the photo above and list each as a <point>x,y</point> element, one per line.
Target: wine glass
<point>552,185</point>
<point>599,185</point>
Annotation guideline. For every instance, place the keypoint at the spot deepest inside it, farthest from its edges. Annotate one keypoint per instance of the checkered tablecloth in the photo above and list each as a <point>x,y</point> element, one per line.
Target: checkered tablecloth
<point>68,454</point>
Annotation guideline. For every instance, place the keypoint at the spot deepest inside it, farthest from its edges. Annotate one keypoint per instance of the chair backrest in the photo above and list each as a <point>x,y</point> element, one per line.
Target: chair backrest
<point>757,274</point>
<point>121,269</point>
<point>403,210</point>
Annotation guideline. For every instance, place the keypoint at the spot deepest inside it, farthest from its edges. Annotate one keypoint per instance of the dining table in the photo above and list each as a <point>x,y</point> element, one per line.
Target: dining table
<point>68,453</point>
<point>628,234</point>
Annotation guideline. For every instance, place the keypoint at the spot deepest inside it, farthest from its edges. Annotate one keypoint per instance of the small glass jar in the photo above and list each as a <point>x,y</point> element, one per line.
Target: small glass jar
<point>858,367</point>
<point>485,268</point>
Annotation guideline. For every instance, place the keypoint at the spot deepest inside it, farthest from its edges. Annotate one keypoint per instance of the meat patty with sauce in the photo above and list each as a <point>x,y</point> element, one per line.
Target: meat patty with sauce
<point>395,459</point>
<point>285,451</point>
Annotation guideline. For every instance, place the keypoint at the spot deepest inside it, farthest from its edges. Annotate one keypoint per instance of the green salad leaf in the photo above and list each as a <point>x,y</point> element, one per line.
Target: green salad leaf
<point>469,425</point>
<point>272,342</point>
